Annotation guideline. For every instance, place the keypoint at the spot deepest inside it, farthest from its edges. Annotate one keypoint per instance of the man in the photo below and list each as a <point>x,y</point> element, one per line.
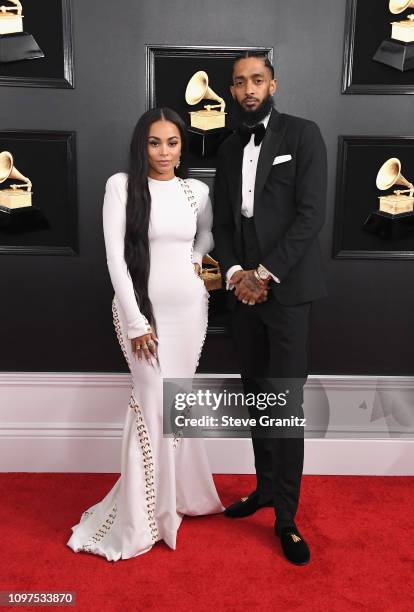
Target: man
<point>269,205</point>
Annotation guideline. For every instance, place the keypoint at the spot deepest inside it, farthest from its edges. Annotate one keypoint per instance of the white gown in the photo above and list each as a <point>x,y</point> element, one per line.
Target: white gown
<point>161,479</point>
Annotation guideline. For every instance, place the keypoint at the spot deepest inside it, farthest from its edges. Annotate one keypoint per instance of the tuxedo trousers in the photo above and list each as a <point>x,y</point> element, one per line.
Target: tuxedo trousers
<point>271,342</point>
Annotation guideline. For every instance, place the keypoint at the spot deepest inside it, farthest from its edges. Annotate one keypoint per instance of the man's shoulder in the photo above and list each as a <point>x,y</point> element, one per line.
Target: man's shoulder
<point>297,123</point>
<point>229,144</point>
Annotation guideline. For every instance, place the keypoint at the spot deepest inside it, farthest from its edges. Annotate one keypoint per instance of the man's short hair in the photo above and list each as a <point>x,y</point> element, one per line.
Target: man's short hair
<point>259,55</point>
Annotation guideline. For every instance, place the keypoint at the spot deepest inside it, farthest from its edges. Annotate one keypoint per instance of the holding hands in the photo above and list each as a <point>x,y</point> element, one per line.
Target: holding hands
<point>248,288</point>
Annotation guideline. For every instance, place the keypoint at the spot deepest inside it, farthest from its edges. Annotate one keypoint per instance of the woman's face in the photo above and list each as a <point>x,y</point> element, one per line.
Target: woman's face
<point>164,149</point>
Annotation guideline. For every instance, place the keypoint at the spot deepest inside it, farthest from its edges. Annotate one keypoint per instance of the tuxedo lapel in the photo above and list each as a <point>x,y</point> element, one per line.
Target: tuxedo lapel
<point>270,146</point>
<point>236,180</point>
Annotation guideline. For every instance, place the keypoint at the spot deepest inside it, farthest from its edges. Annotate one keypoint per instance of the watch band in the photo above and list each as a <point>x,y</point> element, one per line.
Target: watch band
<point>262,273</point>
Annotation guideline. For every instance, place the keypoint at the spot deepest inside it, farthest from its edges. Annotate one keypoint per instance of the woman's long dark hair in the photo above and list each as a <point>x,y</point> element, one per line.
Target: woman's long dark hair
<point>138,207</point>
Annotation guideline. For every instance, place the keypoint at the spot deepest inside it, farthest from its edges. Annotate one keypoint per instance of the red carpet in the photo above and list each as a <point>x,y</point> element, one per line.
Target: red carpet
<point>360,530</point>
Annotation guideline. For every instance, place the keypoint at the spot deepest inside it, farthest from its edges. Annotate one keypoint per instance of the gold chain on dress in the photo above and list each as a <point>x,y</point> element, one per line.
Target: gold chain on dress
<point>100,533</point>
<point>143,437</point>
<point>148,461</point>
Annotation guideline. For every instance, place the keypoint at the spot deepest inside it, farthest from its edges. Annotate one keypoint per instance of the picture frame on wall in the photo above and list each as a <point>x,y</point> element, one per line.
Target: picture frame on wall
<point>198,71</point>
<point>173,71</point>
<point>36,48</point>
<point>374,216</point>
<point>378,47</point>
<point>38,193</point>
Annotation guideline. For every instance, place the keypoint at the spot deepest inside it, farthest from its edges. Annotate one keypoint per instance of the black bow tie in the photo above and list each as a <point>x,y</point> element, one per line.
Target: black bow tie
<point>245,133</point>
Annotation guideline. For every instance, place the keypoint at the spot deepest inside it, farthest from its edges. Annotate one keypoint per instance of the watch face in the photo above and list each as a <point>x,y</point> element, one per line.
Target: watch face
<point>264,274</point>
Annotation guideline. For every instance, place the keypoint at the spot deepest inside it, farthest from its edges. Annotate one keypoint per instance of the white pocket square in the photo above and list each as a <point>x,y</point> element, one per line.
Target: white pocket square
<point>279,159</point>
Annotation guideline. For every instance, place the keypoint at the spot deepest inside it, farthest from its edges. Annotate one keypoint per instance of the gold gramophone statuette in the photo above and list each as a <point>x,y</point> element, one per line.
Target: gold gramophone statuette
<point>17,195</point>
<point>402,30</point>
<point>16,45</point>
<point>389,175</point>
<point>397,51</point>
<point>11,18</point>
<point>197,90</point>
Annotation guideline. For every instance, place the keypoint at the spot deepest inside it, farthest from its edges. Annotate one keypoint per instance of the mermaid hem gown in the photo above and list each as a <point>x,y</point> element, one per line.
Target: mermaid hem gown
<point>162,479</point>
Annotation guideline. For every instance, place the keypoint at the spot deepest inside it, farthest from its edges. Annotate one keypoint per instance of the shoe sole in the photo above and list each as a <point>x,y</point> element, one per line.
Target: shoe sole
<point>296,563</point>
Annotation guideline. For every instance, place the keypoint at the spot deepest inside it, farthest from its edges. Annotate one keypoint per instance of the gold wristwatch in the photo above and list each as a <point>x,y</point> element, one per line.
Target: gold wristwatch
<point>262,273</point>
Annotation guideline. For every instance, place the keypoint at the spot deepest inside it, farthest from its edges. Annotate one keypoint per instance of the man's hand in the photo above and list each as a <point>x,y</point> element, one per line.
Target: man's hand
<point>236,277</point>
<point>248,288</point>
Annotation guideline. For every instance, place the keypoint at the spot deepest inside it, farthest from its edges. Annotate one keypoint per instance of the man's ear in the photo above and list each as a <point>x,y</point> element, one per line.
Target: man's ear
<point>273,86</point>
<point>232,91</point>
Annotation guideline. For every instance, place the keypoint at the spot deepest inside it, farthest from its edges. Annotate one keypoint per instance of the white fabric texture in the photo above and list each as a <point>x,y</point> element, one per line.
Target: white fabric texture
<point>251,154</point>
<point>162,479</point>
<point>281,159</point>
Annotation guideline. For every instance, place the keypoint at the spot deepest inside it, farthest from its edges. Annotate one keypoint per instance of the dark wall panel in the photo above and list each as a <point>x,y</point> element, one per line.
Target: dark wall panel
<point>56,311</point>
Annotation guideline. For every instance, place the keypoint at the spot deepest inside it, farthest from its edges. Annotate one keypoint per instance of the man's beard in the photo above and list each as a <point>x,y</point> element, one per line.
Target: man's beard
<point>252,117</point>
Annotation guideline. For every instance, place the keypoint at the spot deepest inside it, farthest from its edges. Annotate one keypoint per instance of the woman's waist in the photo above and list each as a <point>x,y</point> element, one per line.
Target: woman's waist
<point>178,259</point>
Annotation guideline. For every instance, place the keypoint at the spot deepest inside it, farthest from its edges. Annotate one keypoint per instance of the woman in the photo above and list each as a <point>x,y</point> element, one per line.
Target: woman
<point>157,227</point>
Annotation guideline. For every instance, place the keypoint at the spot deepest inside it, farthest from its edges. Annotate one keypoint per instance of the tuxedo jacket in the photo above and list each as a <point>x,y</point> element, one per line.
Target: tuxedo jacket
<point>289,206</point>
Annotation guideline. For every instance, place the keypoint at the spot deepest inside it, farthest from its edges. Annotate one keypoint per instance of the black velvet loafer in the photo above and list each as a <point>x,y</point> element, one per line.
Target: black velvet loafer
<point>246,506</point>
<point>293,545</point>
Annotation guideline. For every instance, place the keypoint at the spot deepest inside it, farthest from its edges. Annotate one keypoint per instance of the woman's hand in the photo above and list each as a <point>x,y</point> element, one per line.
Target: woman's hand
<point>197,269</point>
<point>145,345</point>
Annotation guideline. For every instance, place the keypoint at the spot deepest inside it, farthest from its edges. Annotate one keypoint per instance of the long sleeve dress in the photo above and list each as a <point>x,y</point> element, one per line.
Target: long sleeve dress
<point>162,479</point>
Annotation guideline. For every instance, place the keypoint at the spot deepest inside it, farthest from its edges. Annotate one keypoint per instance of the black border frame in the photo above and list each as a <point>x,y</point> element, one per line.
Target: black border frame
<point>70,138</point>
<point>347,71</point>
<point>68,80</point>
<point>337,251</point>
<point>153,51</point>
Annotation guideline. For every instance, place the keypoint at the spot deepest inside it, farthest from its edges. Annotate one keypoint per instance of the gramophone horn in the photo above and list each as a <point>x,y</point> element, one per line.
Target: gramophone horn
<point>6,165</point>
<point>197,89</point>
<point>390,174</point>
<point>8,171</point>
<point>399,6</point>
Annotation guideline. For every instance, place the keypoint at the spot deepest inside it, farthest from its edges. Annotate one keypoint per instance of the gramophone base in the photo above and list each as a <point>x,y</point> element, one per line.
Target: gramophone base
<point>389,227</point>
<point>204,143</point>
<point>18,47</point>
<point>396,54</point>
<point>26,219</point>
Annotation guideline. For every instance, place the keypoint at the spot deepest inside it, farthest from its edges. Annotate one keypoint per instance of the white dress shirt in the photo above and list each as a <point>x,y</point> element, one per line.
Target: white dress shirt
<point>249,168</point>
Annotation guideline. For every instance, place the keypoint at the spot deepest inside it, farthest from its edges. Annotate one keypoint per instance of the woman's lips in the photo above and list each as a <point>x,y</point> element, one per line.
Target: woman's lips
<point>164,163</point>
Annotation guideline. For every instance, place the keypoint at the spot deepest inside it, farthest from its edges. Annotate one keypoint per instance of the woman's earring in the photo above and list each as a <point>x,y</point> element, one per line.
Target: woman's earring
<point>178,164</point>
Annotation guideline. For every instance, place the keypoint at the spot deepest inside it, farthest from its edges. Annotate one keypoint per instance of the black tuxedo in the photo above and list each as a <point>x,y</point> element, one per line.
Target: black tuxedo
<point>289,206</point>
<point>272,338</point>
